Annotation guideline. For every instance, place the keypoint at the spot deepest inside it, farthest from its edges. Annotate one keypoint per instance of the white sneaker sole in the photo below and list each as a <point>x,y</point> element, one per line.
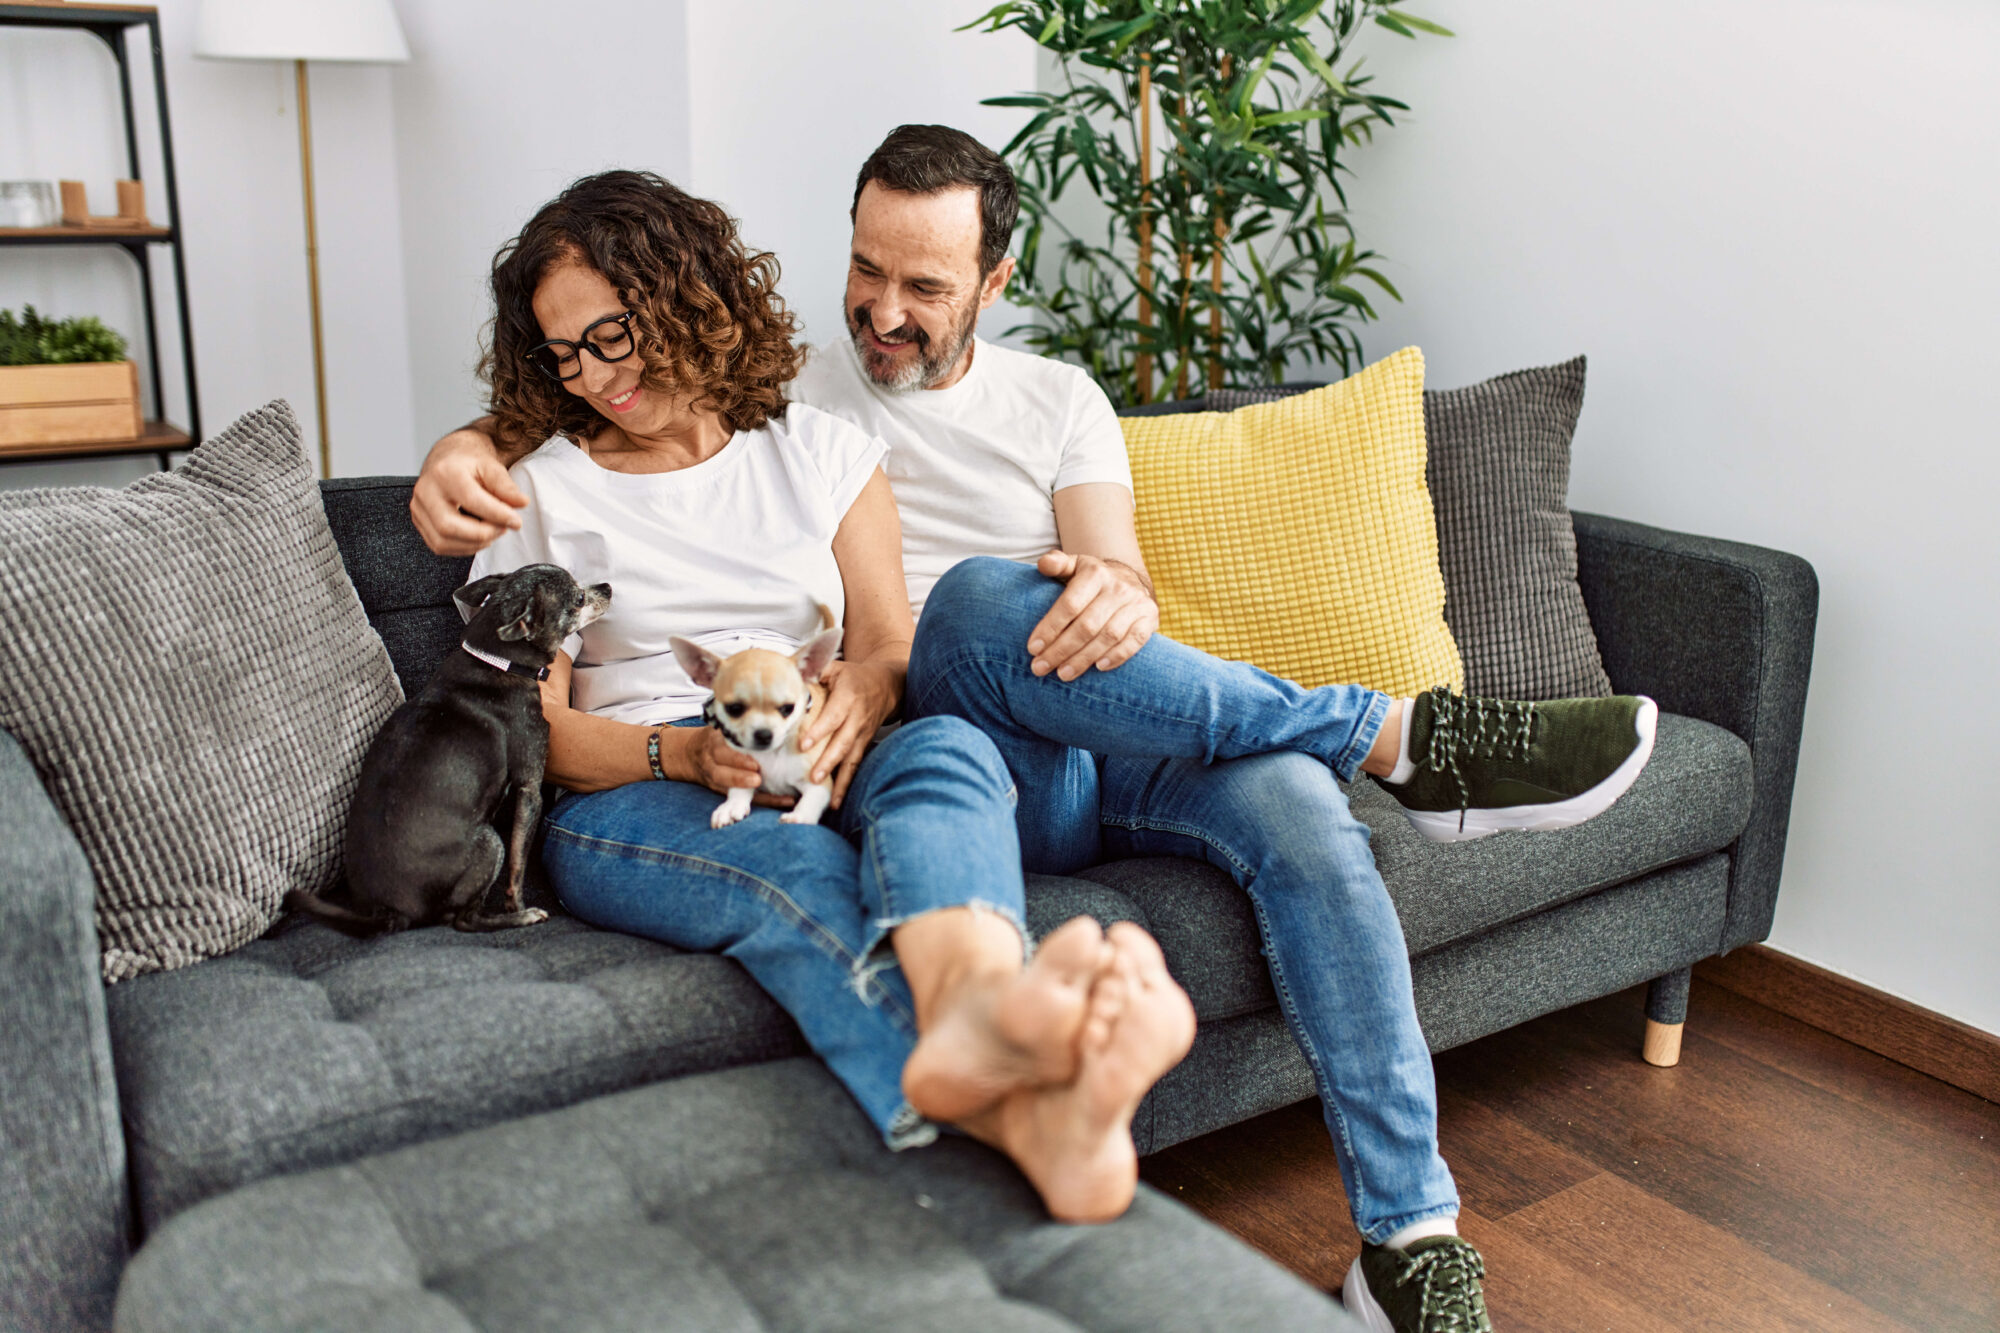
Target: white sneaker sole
<point>1361,1303</point>
<point>1464,826</point>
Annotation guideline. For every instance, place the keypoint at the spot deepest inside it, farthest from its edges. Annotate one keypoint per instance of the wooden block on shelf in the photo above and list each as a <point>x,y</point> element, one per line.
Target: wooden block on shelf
<point>132,203</point>
<point>131,206</point>
<point>44,405</point>
<point>75,204</point>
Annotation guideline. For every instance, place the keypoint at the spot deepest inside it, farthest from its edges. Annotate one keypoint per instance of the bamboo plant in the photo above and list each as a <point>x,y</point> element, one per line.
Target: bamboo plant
<point>1212,132</point>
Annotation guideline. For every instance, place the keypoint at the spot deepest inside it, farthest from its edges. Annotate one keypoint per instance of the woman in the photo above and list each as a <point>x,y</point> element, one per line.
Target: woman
<point>635,334</point>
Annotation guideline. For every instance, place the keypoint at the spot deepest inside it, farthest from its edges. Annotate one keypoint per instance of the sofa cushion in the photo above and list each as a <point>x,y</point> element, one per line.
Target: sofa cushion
<point>1499,476</point>
<point>307,1048</point>
<point>1693,798</point>
<point>1299,535</point>
<point>405,589</point>
<point>189,670</point>
<point>745,1200</point>
<point>1498,471</point>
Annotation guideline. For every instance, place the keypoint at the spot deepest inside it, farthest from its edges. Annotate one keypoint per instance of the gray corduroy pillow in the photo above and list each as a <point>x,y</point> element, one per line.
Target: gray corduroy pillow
<point>1498,470</point>
<point>194,678</point>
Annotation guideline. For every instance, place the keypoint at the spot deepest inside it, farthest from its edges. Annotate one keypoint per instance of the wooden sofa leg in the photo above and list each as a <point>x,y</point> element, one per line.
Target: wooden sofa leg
<point>1666,1011</point>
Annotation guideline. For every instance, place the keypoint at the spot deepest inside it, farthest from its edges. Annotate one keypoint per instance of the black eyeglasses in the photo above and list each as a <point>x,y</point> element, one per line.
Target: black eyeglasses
<point>608,339</point>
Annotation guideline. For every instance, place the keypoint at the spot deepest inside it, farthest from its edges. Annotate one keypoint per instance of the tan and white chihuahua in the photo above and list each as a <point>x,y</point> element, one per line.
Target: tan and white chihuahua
<point>760,704</point>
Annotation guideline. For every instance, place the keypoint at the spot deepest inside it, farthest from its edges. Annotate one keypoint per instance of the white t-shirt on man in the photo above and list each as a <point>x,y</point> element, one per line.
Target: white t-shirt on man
<point>731,553</point>
<point>976,466</point>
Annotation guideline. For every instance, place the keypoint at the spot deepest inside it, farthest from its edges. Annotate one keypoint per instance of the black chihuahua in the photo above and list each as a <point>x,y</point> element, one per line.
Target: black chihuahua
<point>422,842</point>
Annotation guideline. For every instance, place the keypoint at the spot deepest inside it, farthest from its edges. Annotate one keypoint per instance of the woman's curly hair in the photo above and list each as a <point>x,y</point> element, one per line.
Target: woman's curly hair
<point>706,313</point>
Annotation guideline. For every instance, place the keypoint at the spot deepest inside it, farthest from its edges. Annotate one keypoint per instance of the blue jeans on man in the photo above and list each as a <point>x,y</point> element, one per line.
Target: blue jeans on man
<point>1181,754</point>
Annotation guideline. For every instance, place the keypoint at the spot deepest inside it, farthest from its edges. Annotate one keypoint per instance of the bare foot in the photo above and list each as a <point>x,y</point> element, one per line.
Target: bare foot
<point>994,1034</point>
<point>1074,1143</point>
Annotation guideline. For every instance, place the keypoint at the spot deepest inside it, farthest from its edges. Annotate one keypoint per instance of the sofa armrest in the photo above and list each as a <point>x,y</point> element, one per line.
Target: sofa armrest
<point>63,1195</point>
<point>1723,632</point>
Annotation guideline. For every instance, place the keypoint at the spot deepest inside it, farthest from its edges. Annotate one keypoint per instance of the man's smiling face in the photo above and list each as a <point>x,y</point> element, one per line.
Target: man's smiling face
<point>914,289</point>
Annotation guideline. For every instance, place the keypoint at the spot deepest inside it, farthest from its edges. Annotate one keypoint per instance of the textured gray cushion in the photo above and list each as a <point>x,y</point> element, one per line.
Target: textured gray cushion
<point>1499,480</point>
<point>752,1199</point>
<point>191,674</point>
<point>308,1048</point>
<point>1498,470</point>
<point>1693,798</point>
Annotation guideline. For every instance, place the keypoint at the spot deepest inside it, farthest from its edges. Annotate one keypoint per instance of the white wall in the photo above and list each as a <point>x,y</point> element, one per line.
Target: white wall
<point>1771,227</point>
<point>833,77</point>
<point>237,161</point>
<point>503,103</point>
<point>424,169</point>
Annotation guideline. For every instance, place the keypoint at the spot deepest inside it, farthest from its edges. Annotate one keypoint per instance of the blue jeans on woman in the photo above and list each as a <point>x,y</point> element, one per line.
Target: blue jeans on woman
<point>928,823</point>
<point>1178,753</point>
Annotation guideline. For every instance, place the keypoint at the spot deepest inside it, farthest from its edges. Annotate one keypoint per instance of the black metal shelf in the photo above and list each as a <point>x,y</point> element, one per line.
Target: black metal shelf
<point>110,24</point>
<point>86,236</point>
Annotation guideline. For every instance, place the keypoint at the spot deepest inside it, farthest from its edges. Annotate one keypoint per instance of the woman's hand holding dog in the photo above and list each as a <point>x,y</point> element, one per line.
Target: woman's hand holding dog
<point>709,760</point>
<point>861,696</point>
<point>1105,615</point>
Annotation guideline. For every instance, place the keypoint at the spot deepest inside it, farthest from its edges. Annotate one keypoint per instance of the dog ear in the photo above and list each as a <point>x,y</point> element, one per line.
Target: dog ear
<point>474,594</point>
<point>515,629</point>
<point>699,663</point>
<point>817,653</point>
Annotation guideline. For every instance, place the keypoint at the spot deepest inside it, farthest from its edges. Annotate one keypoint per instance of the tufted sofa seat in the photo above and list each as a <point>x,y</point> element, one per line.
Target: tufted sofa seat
<point>307,1048</point>
<point>752,1199</point>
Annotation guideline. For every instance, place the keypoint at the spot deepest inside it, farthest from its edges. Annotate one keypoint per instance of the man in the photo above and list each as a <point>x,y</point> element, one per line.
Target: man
<point>1124,743</point>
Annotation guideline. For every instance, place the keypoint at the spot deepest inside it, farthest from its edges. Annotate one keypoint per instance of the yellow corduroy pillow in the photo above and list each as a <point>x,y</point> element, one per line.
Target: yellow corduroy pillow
<point>1298,535</point>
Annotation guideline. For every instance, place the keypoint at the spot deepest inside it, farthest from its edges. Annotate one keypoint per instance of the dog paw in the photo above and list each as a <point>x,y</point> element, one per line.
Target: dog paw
<point>797,817</point>
<point>723,817</point>
<point>533,916</point>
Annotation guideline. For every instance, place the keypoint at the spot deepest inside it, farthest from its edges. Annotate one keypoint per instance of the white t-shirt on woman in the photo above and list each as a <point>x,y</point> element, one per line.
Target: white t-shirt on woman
<point>731,553</point>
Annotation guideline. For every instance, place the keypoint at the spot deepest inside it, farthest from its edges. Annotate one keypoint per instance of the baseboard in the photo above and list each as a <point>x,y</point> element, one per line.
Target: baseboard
<point>1946,1049</point>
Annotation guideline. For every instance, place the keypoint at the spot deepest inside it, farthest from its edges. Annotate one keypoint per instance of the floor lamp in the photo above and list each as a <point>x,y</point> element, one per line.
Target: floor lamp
<point>355,31</point>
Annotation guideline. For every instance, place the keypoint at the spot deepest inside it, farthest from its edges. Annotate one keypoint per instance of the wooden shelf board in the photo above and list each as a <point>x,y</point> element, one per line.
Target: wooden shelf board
<point>85,234</point>
<point>158,437</point>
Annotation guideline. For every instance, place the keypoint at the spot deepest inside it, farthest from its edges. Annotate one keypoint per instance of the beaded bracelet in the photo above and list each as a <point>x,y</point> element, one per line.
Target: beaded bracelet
<point>653,755</point>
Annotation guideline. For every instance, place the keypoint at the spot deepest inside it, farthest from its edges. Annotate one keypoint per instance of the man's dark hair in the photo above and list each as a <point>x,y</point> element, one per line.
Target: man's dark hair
<point>925,159</point>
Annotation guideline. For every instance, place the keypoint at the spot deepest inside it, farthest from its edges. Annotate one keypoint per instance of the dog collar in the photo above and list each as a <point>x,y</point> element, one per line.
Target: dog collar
<point>511,668</point>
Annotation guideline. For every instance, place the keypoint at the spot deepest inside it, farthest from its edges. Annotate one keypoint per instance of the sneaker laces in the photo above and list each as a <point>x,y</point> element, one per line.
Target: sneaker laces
<point>1478,727</point>
<point>1450,1299</point>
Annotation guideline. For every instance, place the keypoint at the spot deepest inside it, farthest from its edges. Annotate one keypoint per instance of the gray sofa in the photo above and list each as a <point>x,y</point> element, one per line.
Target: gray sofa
<point>428,1067</point>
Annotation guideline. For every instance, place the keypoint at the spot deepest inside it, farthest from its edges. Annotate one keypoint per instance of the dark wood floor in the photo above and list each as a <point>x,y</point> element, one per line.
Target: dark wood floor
<point>1778,1178</point>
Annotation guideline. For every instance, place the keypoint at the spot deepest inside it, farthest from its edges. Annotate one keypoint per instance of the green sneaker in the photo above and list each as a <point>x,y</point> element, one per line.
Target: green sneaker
<point>1432,1287</point>
<point>1487,765</point>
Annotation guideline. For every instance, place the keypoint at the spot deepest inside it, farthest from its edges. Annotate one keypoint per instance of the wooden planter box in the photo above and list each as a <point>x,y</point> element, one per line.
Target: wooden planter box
<point>88,403</point>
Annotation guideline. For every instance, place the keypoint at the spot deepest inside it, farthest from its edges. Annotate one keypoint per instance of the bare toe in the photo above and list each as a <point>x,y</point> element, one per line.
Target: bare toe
<point>1010,1032</point>
<point>1074,1142</point>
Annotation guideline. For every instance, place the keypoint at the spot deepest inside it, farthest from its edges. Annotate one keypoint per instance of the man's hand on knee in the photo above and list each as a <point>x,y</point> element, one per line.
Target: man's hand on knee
<point>464,497</point>
<point>1106,614</point>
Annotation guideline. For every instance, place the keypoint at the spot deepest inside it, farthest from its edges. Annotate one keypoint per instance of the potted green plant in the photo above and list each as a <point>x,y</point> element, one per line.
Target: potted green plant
<point>1227,255</point>
<point>64,382</point>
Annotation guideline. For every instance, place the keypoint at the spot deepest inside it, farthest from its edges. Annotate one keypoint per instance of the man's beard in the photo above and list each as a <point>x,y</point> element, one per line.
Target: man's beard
<point>934,359</point>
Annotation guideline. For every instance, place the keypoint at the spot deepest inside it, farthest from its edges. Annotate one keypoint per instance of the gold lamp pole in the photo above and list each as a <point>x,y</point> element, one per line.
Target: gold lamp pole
<point>312,270</point>
<point>354,31</point>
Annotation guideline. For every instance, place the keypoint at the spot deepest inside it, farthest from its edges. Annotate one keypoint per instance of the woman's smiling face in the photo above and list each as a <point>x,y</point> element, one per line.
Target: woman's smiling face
<point>569,299</point>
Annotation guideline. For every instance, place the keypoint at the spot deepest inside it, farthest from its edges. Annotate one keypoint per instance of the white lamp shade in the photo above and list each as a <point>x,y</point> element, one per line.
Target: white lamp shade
<point>356,30</point>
